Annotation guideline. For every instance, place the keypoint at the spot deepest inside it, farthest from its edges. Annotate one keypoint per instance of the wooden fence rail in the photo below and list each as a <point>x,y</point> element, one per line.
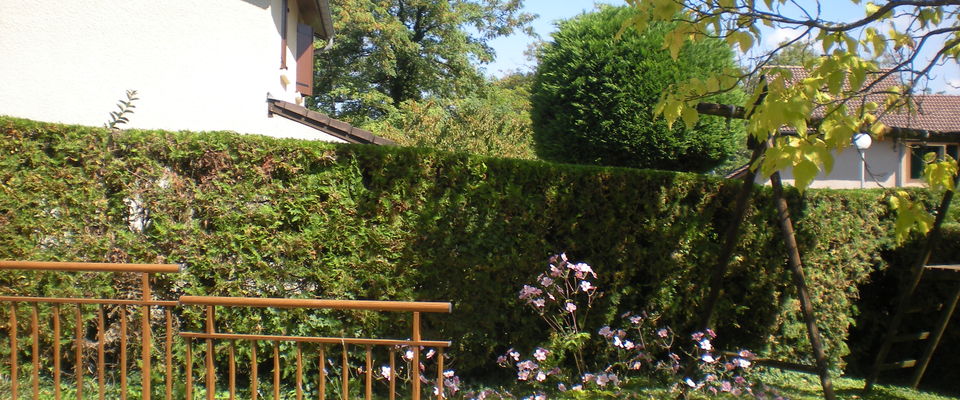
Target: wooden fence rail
<point>55,308</point>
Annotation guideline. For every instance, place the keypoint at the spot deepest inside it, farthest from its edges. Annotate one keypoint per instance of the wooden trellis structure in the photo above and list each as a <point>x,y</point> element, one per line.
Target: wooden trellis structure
<point>731,236</point>
<point>919,269</point>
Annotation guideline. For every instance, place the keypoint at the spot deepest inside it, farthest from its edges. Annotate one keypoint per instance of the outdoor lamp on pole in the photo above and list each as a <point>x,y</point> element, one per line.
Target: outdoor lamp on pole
<point>863,142</point>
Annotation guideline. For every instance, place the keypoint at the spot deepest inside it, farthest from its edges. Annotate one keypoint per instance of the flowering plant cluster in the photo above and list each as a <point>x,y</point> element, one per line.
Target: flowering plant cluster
<point>451,382</point>
<point>563,296</point>
<point>644,347</point>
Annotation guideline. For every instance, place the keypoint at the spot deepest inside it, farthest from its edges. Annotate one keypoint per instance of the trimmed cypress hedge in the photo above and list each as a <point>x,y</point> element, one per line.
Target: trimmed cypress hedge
<point>256,216</point>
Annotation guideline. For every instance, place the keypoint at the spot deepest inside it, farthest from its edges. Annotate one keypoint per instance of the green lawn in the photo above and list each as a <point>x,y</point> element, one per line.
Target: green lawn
<point>795,385</point>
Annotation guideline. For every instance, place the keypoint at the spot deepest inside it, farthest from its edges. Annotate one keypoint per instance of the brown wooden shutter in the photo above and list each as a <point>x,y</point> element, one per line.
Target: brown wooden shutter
<point>305,59</point>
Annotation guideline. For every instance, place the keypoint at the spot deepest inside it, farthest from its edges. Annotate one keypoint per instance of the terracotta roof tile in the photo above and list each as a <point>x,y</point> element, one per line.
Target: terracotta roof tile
<point>934,112</point>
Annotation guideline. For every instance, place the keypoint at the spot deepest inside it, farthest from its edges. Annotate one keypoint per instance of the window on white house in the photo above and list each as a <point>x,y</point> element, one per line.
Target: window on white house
<point>917,152</point>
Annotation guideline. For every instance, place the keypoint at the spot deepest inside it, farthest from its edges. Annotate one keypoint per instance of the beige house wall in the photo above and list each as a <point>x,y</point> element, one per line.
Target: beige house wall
<point>886,166</point>
<point>197,65</point>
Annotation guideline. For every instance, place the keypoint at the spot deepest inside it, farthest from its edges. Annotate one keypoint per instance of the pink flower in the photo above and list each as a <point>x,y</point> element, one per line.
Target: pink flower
<point>747,354</point>
<point>453,383</point>
<point>408,354</point>
<point>546,281</point>
<point>541,376</point>
<point>613,379</point>
<point>707,358</point>
<point>742,363</point>
<point>385,371</point>
<point>523,374</point>
<point>713,335</point>
<point>561,387</point>
<point>582,270</point>
<point>636,365</point>
<point>570,307</point>
<point>586,286</point>
<point>431,353</point>
<point>726,386</point>
<point>697,336</point>
<point>554,271</point>
<point>539,303</point>
<point>589,377</point>
<point>662,333</point>
<point>636,319</point>
<point>529,291</point>
<point>541,353</point>
<point>705,344</point>
<point>528,365</point>
<point>515,355</point>
<point>606,332</point>
<point>602,380</point>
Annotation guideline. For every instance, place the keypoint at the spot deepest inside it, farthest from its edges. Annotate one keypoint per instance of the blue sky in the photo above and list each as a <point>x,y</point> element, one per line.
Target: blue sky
<point>510,50</point>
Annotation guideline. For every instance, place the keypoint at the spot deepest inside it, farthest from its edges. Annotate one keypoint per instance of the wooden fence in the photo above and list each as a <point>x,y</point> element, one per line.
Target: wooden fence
<point>182,343</point>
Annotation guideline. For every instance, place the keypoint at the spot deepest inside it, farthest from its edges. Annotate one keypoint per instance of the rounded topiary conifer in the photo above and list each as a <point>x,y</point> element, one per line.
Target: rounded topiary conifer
<point>594,95</point>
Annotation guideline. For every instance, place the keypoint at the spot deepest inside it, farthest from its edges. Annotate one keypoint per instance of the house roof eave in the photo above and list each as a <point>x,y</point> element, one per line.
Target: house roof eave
<point>317,14</point>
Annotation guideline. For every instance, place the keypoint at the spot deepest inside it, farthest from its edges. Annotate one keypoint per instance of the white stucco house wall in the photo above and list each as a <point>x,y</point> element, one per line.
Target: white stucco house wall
<point>196,65</point>
<point>891,161</point>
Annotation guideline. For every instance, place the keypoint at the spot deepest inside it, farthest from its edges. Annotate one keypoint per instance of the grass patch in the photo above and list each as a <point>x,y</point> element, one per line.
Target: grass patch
<point>799,386</point>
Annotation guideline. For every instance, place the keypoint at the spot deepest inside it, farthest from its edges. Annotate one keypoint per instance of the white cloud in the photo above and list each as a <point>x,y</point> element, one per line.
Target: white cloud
<point>953,86</point>
<point>778,36</point>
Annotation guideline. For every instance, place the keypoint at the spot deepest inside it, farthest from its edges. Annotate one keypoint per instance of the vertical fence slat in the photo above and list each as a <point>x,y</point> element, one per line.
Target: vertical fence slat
<point>169,353</point>
<point>101,379</point>
<point>276,370</point>
<point>440,373</point>
<point>322,363</point>
<point>345,375</point>
<point>78,344</point>
<point>145,373</point>
<point>369,391</point>
<point>13,350</point>
<point>123,352</point>
<point>211,375</point>
<point>415,365</point>
<point>299,371</point>
<point>393,375</point>
<point>233,370</point>
<point>56,352</point>
<point>189,369</point>
<point>35,330</point>
<point>253,370</point>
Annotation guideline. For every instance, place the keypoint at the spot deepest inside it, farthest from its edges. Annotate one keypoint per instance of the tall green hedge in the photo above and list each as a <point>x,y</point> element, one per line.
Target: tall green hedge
<point>256,216</point>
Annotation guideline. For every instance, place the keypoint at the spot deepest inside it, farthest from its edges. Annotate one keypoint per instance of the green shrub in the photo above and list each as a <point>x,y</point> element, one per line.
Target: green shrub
<point>594,95</point>
<point>255,216</point>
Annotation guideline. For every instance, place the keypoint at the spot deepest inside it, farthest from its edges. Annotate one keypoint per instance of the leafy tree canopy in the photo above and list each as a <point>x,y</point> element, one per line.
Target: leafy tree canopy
<point>594,97</point>
<point>390,51</point>
<point>493,121</point>
<point>837,81</point>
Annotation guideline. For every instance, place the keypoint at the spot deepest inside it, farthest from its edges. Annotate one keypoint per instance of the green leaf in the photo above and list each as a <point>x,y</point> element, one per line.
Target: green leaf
<point>804,173</point>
